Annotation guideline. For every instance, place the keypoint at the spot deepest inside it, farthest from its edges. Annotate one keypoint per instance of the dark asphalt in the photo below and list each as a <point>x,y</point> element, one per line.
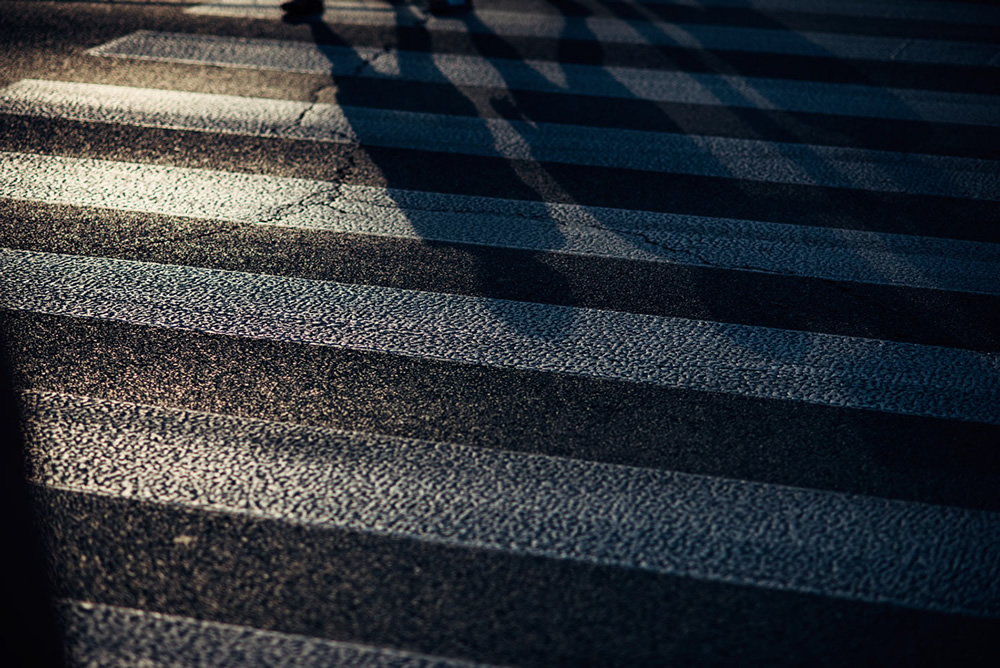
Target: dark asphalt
<point>482,605</point>
<point>894,456</point>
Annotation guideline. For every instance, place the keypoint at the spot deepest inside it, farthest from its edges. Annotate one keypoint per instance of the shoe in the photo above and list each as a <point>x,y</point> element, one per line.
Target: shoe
<point>303,8</point>
<point>450,6</point>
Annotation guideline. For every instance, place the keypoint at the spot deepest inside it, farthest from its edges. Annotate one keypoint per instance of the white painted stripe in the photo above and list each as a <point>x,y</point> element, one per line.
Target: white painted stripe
<point>659,33</point>
<point>557,78</point>
<point>727,38</point>
<point>923,10</point>
<point>252,9</point>
<point>843,255</point>
<point>671,352</point>
<point>839,545</point>
<point>951,12</point>
<point>117,637</point>
<point>743,159</point>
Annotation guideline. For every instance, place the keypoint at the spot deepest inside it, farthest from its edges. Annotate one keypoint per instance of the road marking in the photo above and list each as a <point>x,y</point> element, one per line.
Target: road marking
<point>763,535</point>
<point>106,635</point>
<point>794,250</point>
<point>343,11</point>
<point>674,352</point>
<point>558,78</point>
<point>715,37</point>
<point>661,33</point>
<point>742,159</point>
<point>922,10</point>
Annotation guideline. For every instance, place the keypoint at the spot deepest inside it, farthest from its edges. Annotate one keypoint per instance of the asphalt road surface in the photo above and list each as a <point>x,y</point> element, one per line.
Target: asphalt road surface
<point>567,332</point>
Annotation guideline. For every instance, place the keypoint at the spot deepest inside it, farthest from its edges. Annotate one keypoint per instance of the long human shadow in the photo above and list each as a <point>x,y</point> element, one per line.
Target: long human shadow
<point>488,42</point>
<point>795,68</point>
<point>532,179</point>
<point>553,180</point>
<point>791,130</point>
<point>791,133</point>
<point>519,99</point>
<point>581,44</point>
<point>492,278</point>
<point>797,153</point>
<point>537,180</point>
<point>767,126</point>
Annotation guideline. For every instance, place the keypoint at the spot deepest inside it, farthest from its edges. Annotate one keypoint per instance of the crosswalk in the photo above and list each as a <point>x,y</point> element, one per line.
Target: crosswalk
<point>743,159</point>
<point>747,245</point>
<point>584,332</point>
<point>630,83</point>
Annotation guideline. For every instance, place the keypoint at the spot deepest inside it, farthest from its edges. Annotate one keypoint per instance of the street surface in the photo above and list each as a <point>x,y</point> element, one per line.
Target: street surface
<point>562,332</point>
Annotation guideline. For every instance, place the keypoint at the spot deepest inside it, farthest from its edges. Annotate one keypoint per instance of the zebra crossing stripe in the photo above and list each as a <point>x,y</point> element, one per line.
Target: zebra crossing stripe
<point>660,33</point>
<point>106,635</point>
<point>343,10</point>
<point>743,159</point>
<point>763,535</point>
<point>664,351</point>
<point>843,255</point>
<point>725,38</point>
<point>923,10</point>
<point>551,77</point>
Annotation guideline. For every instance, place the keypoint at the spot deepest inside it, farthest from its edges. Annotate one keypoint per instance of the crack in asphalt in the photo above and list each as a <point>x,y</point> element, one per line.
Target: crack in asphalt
<point>325,196</point>
<point>297,122</point>
<point>330,198</point>
<point>365,62</point>
<point>453,210</point>
<point>643,238</point>
<point>334,198</point>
